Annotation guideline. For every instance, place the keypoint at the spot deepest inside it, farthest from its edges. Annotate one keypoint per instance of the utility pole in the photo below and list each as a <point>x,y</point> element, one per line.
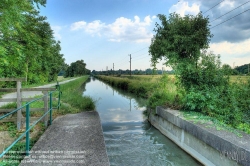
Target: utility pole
<point>113,69</point>
<point>130,63</point>
<point>248,67</point>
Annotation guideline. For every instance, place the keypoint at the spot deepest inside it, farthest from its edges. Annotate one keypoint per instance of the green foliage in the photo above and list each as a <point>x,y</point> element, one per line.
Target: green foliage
<point>201,80</point>
<point>140,87</point>
<point>203,84</point>
<point>180,39</point>
<point>227,69</point>
<point>164,94</point>
<point>197,117</point>
<point>72,95</point>
<point>243,69</point>
<point>77,68</point>
<point>11,127</point>
<point>27,46</point>
<point>216,96</point>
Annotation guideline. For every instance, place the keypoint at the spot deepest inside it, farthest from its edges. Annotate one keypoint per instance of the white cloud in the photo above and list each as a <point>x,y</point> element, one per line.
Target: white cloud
<point>56,30</point>
<point>232,52</point>
<point>78,25</point>
<point>183,8</point>
<point>123,29</point>
<point>226,4</point>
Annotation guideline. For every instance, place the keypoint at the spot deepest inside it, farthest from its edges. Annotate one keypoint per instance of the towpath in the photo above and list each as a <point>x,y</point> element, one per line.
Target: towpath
<point>72,140</point>
<point>31,93</point>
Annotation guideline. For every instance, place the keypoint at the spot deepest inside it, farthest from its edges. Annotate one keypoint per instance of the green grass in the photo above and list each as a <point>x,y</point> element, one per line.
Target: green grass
<point>72,101</point>
<point>14,159</point>
<point>162,91</point>
<point>73,95</point>
<point>212,122</point>
<point>140,86</point>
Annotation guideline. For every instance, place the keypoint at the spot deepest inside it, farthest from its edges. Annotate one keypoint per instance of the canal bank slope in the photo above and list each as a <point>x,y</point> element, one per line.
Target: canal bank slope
<point>73,139</point>
<point>208,145</point>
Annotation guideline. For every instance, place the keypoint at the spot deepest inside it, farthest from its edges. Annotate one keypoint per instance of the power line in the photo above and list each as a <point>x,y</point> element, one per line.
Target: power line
<point>229,11</point>
<point>213,7</point>
<point>121,61</point>
<point>139,50</point>
<point>139,55</point>
<point>132,53</point>
<point>230,18</point>
<point>141,58</point>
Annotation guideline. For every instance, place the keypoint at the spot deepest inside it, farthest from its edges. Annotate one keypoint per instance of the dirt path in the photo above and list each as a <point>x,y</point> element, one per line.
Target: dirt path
<point>32,93</point>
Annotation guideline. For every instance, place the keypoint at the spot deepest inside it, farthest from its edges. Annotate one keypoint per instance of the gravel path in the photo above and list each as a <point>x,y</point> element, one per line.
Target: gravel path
<point>32,93</point>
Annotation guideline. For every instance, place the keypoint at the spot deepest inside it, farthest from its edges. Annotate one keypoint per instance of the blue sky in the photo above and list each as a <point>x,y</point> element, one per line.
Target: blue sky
<point>103,32</point>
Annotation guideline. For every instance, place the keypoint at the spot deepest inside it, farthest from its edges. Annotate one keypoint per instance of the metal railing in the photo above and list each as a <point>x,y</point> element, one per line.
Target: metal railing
<point>28,127</point>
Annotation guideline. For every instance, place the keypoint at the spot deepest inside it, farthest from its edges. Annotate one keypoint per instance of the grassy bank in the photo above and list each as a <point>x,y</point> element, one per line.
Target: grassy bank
<point>72,97</point>
<point>140,86</point>
<point>162,90</point>
<point>72,101</point>
<point>157,89</point>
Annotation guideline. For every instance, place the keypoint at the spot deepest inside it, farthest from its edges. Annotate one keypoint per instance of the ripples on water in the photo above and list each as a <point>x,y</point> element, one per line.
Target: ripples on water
<point>145,147</point>
<point>130,140</point>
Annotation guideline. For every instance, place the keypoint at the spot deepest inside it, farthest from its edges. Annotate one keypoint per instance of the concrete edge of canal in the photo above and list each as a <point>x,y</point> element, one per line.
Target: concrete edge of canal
<point>72,139</point>
<point>201,140</point>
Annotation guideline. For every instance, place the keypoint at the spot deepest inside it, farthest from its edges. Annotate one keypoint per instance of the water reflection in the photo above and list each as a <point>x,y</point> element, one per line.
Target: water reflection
<point>113,105</point>
<point>129,138</point>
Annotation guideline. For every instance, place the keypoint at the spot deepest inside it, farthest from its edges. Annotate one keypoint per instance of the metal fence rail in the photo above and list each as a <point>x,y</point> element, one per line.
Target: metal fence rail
<point>28,127</point>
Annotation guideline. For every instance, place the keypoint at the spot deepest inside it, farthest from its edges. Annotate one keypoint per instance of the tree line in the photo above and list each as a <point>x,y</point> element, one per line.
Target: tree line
<point>148,71</point>
<point>77,68</point>
<point>27,45</point>
<point>243,69</point>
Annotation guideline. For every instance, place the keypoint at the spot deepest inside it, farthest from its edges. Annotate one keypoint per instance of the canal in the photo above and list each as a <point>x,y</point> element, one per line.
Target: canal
<point>129,138</point>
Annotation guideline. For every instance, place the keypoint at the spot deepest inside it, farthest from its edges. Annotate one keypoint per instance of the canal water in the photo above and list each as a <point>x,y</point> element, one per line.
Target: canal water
<point>129,138</point>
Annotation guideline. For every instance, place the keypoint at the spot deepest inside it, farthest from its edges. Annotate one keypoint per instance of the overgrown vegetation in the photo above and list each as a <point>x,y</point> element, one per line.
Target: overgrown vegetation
<point>77,68</point>
<point>203,83</point>
<point>27,46</point>
<point>73,99</point>
<point>141,86</point>
<point>162,90</point>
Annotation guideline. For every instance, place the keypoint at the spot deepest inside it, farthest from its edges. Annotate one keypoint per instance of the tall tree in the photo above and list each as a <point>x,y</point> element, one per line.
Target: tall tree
<point>77,68</point>
<point>27,45</point>
<point>179,41</point>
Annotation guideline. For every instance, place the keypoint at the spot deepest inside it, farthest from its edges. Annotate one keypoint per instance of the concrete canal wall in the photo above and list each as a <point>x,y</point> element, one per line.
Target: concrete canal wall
<point>201,140</point>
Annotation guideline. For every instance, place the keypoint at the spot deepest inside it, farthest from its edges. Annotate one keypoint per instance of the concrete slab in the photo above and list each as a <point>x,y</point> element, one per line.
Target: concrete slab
<point>202,140</point>
<point>73,139</point>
